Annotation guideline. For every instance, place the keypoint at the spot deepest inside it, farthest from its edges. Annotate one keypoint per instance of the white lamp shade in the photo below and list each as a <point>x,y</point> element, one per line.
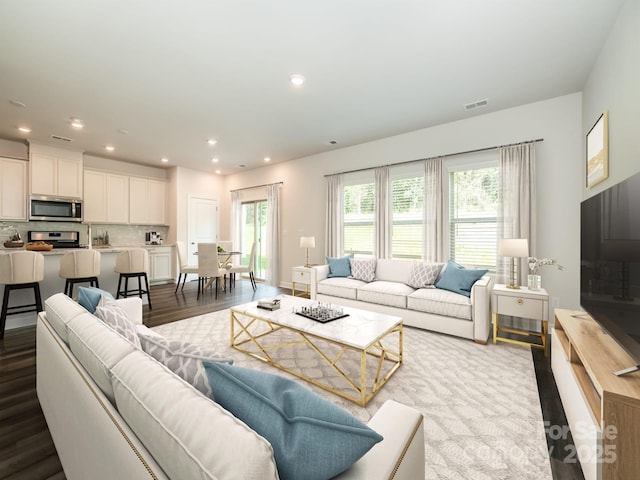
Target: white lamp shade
<point>308,242</point>
<point>513,247</point>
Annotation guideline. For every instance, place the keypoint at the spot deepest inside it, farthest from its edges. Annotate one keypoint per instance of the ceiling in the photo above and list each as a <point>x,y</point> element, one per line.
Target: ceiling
<point>158,78</point>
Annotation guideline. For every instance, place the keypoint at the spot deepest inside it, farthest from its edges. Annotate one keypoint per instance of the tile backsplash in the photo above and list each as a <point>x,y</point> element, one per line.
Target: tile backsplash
<point>118,234</point>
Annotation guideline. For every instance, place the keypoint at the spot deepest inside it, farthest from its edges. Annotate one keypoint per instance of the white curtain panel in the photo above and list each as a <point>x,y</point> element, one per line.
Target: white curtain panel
<point>434,234</point>
<point>334,217</point>
<point>236,219</point>
<point>517,203</point>
<point>382,227</point>
<point>273,235</point>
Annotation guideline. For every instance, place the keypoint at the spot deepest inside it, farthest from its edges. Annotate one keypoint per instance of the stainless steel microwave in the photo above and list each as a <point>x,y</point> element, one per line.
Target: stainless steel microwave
<point>56,209</point>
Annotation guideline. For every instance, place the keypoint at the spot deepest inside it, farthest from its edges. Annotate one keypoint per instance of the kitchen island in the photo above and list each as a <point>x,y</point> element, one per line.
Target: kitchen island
<point>161,257</point>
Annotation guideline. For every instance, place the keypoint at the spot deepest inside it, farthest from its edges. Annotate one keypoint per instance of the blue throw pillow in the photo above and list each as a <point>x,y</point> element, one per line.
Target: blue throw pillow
<point>339,267</point>
<point>458,279</point>
<point>89,297</point>
<point>312,438</point>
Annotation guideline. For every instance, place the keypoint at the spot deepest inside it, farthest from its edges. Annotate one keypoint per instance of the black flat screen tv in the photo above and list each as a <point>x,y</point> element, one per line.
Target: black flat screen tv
<point>610,263</point>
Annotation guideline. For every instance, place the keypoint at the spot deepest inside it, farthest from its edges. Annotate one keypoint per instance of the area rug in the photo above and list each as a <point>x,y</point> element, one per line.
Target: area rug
<point>480,402</point>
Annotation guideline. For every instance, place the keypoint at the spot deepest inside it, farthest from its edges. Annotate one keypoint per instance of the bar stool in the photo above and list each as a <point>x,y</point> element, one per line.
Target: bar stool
<point>80,266</point>
<point>133,263</point>
<point>19,270</point>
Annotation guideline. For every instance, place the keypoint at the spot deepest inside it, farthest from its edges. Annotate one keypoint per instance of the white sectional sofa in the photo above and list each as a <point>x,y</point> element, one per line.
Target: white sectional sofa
<point>116,412</point>
<point>429,308</point>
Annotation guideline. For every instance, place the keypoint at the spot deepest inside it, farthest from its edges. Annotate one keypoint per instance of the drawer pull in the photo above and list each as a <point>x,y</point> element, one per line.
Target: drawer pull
<point>520,301</point>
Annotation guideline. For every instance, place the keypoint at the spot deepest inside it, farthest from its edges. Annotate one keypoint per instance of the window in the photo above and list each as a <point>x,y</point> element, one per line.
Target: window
<point>359,212</point>
<point>407,212</point>
<point>473,207</point>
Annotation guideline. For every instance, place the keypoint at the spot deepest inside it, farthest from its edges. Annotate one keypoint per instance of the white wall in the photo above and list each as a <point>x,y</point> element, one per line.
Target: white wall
<point>133,169</point>
<point>13,149</point>
<point>183,183</point>
<point>614,85</point>
<point>557,120</point>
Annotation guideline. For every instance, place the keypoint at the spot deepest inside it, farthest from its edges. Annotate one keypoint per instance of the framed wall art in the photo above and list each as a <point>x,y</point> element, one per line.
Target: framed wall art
<point>598,151</point>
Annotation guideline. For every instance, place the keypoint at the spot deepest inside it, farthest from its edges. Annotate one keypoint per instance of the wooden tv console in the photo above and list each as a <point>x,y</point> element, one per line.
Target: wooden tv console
<point>602,409</point>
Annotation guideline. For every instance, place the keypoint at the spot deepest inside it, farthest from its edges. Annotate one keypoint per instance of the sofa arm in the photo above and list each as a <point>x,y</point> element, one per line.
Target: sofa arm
<point>481,308</point>
<point>319,272</point>
<point>401,455</point>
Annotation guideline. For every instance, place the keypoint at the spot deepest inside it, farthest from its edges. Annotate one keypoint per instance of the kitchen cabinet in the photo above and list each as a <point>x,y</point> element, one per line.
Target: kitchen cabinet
<point>54,171</point>
<point>147,201</point>
<point>106,197</point>
<point>160,265</point>
<point>13,189</point>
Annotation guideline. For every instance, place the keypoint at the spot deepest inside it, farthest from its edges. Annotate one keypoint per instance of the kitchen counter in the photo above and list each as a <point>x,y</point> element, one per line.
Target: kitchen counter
<point>101,249</point>
<point>52,282</point>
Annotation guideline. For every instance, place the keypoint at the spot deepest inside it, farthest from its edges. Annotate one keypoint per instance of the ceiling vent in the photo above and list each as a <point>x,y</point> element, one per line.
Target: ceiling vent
<point>61,138</point>
<point>479,103</point>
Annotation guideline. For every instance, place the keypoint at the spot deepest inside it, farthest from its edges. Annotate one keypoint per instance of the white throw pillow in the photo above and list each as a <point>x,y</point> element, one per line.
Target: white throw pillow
<point>424,275</point>
<point>363,269</point>
<point>114,315</point>
<point>182,358</point>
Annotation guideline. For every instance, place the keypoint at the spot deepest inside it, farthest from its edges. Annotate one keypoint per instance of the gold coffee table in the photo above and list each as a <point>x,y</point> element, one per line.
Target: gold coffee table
<point>360,352</point>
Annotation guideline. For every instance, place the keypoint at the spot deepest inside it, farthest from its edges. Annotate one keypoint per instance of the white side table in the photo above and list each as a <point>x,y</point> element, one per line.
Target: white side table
<point>302,275</point>
<point>523,303</point>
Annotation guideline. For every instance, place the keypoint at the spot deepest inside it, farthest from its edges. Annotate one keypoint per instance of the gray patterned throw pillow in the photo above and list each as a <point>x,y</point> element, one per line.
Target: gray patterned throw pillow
<point>114,315</point>
<point>182,358</point>
<point>424,275</point>
<point>363,269</point>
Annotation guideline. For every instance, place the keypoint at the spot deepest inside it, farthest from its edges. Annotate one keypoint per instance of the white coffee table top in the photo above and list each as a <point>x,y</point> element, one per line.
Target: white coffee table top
<point>360,329</point>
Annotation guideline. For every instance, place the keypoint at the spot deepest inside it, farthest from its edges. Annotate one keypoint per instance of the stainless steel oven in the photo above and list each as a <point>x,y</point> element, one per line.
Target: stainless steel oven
<point>59,209</point>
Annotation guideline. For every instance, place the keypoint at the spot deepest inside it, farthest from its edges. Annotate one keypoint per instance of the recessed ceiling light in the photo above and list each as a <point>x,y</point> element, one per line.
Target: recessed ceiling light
<point>215,160</point>
<point>267,159</point>
<point>218,172</point>
<point>77,123</point>
<point>296,80</point>
<point>123,131</point>
<point>109,148</point>
<point>18,103</point>
<point>164,160</point>
<point>24,129</point>
<point>211,141</point>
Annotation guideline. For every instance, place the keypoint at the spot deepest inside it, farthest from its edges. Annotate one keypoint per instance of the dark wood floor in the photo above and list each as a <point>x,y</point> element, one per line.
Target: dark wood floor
<point>26,448</point>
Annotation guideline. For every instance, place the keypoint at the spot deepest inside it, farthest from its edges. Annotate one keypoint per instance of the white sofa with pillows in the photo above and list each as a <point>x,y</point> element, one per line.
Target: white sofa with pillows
<point>123,402</point>
<point>446,298</point>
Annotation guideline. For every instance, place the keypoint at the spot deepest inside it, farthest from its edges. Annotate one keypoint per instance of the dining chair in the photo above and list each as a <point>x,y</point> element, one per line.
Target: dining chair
<point>208,266</point>
<point>246,268</point>
<point>226,245</point>
<point>183,266</point>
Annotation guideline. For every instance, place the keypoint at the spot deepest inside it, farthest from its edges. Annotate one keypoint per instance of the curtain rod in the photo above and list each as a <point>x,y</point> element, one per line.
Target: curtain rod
<point>257,186</point>
<point>438,156</point>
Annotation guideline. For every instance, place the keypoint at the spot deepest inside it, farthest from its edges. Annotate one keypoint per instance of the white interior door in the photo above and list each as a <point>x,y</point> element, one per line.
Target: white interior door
<point>203,225</point>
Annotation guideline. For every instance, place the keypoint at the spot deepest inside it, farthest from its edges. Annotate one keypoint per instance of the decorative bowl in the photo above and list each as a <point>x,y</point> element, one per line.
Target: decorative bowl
<point>12,244</point>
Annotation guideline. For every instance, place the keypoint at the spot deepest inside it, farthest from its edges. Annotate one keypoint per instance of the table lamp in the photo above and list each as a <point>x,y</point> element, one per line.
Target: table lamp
<point>514,248</point>
<point>307,242</point>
